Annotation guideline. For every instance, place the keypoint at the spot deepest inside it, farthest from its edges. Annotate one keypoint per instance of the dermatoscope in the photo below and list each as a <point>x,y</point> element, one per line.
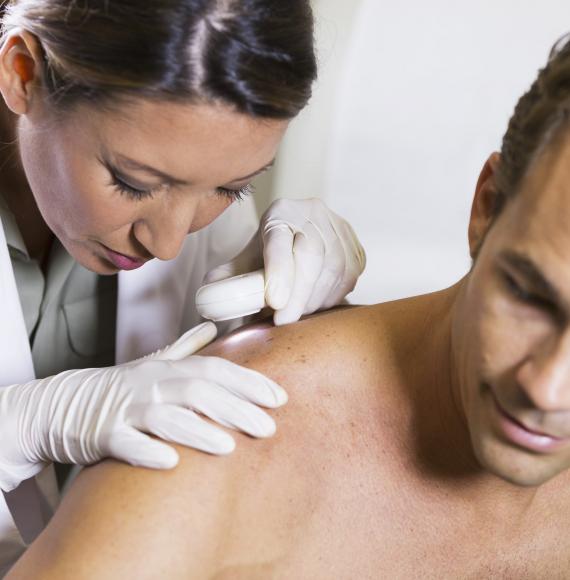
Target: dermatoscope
<point>232,298</point>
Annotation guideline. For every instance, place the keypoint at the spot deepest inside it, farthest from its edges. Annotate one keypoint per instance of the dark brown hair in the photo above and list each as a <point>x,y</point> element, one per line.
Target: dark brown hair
<point>539,117</point>
<point>254,55</point>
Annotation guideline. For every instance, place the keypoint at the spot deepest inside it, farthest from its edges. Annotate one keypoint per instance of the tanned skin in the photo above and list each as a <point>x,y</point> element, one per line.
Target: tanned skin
<point>423,438</point>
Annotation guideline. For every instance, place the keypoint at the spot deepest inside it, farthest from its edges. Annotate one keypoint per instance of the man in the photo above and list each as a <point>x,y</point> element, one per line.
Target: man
<point>427,437</point>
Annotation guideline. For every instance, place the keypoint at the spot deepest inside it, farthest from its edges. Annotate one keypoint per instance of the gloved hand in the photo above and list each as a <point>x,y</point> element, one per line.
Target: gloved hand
<point>312,258</point>
<point>82,416</point>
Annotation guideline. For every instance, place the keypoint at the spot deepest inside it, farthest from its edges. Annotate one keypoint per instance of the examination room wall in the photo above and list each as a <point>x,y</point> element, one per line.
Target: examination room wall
<point>411,99</point>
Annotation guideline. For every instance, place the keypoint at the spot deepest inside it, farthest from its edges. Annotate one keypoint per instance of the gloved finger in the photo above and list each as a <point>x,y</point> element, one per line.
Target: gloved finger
<point>355,265</point>
<point>338,294</point>
<point>190,342</point>
<point>309,255</point>
<point>249,259</point>
<point>183,426</point>
<point>332,275</point>
<point>220,405</point>
<point>221,273</point>
<point>136,448</point>
<point>355,253</point>
<point>245,383</point>
<point>344,263</point>
<point>326,290</point>
<point>279,263</point>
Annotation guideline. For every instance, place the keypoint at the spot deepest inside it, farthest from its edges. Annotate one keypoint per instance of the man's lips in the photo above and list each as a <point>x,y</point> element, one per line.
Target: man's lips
<point>530,438</point>
<point>523,426</point>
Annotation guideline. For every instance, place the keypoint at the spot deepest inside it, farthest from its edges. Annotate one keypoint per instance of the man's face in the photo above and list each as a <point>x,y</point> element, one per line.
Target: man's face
<point>511,331</point>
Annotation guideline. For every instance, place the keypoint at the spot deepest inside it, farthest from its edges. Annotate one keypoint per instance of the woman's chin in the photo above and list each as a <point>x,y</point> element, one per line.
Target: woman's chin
<point>94,262</point>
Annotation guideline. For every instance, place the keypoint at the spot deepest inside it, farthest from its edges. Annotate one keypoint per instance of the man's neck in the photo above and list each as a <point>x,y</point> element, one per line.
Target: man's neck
<point>443,447</point>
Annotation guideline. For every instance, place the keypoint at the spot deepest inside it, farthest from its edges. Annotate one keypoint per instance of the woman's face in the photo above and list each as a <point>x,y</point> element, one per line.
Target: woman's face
<point>120,188</point>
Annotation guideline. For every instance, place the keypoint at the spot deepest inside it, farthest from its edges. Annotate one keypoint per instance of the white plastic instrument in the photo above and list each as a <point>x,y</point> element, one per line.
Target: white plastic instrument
<point>233,297</point>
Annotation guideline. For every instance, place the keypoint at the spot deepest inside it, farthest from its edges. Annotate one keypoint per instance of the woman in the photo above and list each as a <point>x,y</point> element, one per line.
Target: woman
<point>128,125</point>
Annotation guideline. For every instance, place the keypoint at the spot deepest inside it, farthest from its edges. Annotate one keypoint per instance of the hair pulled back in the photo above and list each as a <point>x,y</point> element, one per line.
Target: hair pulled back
<point>541,115</point>
<point>254,55</point>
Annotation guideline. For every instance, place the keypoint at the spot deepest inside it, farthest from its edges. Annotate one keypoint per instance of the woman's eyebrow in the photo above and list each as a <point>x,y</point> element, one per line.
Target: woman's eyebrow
<point>127,162</point>
<point>255,173</point>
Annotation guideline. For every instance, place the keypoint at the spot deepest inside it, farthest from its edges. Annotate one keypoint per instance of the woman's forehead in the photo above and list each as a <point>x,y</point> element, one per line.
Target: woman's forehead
<point>183,138</point>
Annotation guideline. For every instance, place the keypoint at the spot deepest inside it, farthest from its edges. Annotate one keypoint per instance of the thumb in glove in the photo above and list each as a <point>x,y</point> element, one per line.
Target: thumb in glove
<point>189,343</point>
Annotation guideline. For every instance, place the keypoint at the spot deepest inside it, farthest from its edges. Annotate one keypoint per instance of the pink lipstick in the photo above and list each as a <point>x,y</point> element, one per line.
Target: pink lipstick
<point>123,262</point>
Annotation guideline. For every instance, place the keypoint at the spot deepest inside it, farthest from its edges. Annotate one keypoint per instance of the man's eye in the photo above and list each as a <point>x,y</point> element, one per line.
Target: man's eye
<point>518,292</point>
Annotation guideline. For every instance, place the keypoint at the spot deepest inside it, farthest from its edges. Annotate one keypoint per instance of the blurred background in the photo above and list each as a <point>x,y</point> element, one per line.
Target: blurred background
<point>411,99</point>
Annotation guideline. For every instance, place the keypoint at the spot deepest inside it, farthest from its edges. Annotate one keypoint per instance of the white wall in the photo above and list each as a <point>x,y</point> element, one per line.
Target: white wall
<point>300,171</point>
<point>412,98</point>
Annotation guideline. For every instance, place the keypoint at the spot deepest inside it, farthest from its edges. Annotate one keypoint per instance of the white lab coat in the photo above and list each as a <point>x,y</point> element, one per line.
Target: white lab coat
<point>155,305</point>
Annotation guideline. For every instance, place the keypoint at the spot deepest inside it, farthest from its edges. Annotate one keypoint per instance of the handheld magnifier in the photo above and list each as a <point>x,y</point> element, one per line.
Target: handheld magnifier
<point>233,297</point>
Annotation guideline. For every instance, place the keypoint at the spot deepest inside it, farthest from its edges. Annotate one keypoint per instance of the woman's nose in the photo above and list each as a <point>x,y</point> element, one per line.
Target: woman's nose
<point>162,231</point>
<point>545,375</point>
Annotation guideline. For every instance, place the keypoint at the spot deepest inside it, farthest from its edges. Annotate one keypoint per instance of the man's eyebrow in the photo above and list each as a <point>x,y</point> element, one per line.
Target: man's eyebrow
<point>525,266</point>
<point>127,162</point>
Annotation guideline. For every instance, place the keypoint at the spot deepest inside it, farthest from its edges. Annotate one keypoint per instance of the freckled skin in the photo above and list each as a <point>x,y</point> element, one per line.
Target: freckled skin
<point>355,473</point>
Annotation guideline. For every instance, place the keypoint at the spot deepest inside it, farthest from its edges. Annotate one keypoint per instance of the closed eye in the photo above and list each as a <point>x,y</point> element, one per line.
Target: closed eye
<point>120,184</point>
<point>125,189</point>
<point>236,194</point>
<point>518,292</point>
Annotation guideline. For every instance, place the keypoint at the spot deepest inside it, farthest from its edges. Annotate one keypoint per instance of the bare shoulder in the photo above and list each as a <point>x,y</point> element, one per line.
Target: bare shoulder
<point>140,523</point>
<point>318,350</point>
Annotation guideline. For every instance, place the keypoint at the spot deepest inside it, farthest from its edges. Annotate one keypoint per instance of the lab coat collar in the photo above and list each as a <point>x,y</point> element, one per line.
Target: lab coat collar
<point>17,367</point>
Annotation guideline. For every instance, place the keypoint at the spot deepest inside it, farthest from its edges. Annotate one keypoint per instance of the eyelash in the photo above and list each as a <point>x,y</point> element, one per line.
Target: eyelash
<point>132,192</point>
<point>139,194</point>
<point>236,194</point>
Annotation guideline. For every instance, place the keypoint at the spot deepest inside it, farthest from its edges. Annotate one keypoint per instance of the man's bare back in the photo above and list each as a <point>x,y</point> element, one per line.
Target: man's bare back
<point>366,478</point>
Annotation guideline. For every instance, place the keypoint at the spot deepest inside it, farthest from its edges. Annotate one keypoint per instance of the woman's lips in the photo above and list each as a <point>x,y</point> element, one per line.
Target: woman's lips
<point>123,262</point>
<point>523,436</point>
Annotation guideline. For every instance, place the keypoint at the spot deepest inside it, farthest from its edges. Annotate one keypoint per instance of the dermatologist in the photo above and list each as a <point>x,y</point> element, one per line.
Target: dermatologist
<point>129,132</point>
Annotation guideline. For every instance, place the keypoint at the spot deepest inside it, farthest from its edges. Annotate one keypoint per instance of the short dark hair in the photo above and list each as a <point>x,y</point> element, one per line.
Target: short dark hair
<point>254,55</point>
<point>539,117</point>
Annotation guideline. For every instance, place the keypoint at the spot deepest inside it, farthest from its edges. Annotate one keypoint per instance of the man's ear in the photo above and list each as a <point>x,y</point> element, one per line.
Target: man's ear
<point>20,69</point>
<point>484,204</point>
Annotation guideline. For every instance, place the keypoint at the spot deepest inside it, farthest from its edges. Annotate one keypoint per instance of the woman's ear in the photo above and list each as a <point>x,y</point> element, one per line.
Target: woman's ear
<point>484,204</point>
<point>20,66</point>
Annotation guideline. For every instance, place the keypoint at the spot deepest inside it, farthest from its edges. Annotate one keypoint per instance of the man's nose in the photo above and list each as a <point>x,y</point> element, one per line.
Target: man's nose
<point>162,230</point>
<point>545,374</point>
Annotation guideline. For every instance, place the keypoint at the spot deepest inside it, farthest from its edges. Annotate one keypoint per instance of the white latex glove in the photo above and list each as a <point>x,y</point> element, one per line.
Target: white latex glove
<point>312,258</point>
<point>82,416</point>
